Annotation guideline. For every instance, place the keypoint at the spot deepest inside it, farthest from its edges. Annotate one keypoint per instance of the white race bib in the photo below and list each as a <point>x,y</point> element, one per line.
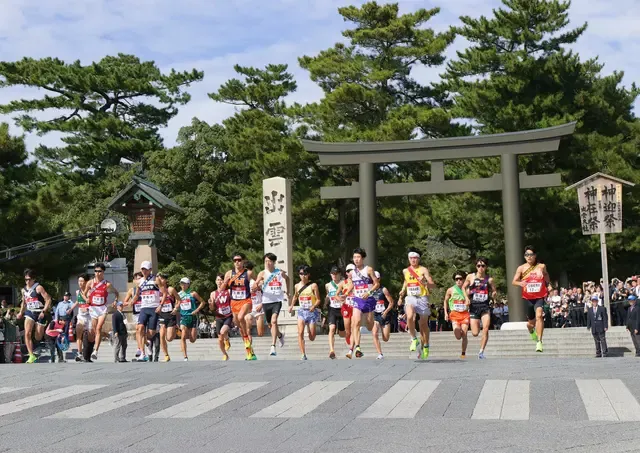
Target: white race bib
<point>166,308</point>
<point>459,307</point>
<point>150,299</point>
<point>185,305</point>
<point>360,289</point>
<point>97,300</point>
<point>480,297</point>
<point>380,307</point>
<point>305,302</point>
<point>413,289</point>
<point>334,302</point>
<point>349,301</point>
<point>137,306</point>
<point>239,294</point>
<point>224,310</point>
<point>33,304</point>
<point>534,287</point>
<point>274,287</point>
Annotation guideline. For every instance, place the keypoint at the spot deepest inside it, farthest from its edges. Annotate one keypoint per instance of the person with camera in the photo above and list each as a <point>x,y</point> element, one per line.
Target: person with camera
<point>598,322</point>
<point>633,322</point>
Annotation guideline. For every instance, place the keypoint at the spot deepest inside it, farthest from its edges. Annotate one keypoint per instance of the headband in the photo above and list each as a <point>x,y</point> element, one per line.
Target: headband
<point>414,255</point>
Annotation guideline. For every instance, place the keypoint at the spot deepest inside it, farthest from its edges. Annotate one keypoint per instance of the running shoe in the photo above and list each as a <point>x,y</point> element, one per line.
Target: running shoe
<point>138,353</point>
<point>539,346</point>
<point>227,344</point>
<point>225,358</point>
<point>186,359</point>
<point>463,355</point>
<point>32,358</point>
<point>253,357</point>
<point>349,353</point>
<point>272,352</point>
<point>167,358</point>
<point>534,336</point>
<point>414,345</point>
<point>332,355</point>
<point>304,357</point>
<point>481,355</point>
<point>358,352</point>
<point>380,357</point>
<point>94,355</point>
<point>247,343</point>
<point>281,339</point>
<point>79,358</point>
<point>425,353</point>
<point>145,358</point>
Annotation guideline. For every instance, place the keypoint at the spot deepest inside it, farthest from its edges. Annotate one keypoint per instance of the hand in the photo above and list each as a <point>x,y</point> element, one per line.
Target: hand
<point>635,331</point>
<point>41,315</point>
<point>258,308</point>
<point>291,309</point>
<point>446,317</point>
<point>19,316</point>
<point>158,309</point>
<point>175,311</point>
<point>69,311</point>
<point>606,328</point>
<point>312,309</point>
<point>522,284</point>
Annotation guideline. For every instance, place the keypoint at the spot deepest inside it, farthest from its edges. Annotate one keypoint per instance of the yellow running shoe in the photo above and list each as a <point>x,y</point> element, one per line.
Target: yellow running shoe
<point>539,346</point>
<point>32,358</point>
<point>425,353</point>
<point>414,345</point>
<point>225,358</point>
<point>227,344</point>
<point>167,358</point>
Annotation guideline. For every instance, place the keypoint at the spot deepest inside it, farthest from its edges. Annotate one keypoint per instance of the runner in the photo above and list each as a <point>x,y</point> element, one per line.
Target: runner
<point>416,284</point>
<point>189,310</point>
<point>96,292</point>
<point>333,305</point>
<point>167,319</point>
<point>36,304</point>
<point>147,324</point>
<point>237,280</point>
<point>534,280</point>
<point>83,318</point>
<point>308,297</point>
<point>133,299</point>
<point>477,285</point>
<point>456,309</point>
<point>364,283</point>
<point>271,280</point>
<point>384,305</point>
<point>345,294</point>
<point>220,304</point>
<point>257,314</point>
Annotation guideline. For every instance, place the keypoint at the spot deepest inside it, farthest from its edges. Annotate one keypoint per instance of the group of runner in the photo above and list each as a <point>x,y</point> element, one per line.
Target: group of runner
<point>244,299</point>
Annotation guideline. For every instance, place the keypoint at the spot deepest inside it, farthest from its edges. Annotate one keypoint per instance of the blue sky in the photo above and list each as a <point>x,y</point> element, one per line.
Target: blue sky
<point>214,35</point>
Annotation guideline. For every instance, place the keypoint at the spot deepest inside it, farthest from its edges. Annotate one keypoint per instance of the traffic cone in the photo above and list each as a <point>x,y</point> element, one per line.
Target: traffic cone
<point>17,355</point>
<point>72,337</point>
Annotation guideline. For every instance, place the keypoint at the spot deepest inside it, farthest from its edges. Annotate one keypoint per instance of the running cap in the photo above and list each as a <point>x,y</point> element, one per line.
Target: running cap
<point>350,267</point>
<point>377,274</point>
<point>185,280</point>
<point>414,255</point>
<point>146,265</point>
<point>335,270</point>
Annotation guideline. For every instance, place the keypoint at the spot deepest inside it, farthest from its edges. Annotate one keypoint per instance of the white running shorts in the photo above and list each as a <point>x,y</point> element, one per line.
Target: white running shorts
<point>97,311</point>
<point>419,304</point>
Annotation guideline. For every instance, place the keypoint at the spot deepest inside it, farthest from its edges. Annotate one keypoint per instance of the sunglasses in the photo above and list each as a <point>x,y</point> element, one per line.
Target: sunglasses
<point>459,278</point>
<point>235,260</point>
<point>303,274</point>
<point>99,272</point>
<point>27,279</point>
<point>480,265</point>
<point>529,254</point>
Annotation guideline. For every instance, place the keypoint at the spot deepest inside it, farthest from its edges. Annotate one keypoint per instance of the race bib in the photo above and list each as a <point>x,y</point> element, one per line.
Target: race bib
<point>305,302</point>
<point>185,304</point>
<point>380,307</point>
<point>360,289</point>
<point>413,289</point>
<point>274,287</point>
<point>33,303</point>
<point>349,301</point>
<point>459,307</point>
<point>224,310</point>
<point>480,297</point>
<point>97,300</point>
<point>334,302</point>
<point>137,306</point>
<point>167,308</point>
<point>534,287</point>
<point>239,294</point>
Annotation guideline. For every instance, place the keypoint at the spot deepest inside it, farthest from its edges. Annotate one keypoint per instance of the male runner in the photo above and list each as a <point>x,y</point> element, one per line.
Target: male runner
<point>36,304</point>
<point>220,304</point>
<point>477,285</point>
<point>345,294</point>
<point>167,319</point>
<point>150,301</point>
<point>534,280</point>
<point>190,305</point>
<point>133,299</point>
<point>257,314</point>
<point>83,318</point>
<point>363,282</point>
<point>237,280</point>
<point>416,284</point>
<point>308,296</point>
<point>456,309</point>
<point>96,292</point>
<point>333,305</point>
<point>384,305</point>
<point>272,282</point>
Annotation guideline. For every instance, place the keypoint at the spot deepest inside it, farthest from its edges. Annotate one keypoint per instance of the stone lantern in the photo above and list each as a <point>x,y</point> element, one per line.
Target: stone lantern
<point>145,206</point>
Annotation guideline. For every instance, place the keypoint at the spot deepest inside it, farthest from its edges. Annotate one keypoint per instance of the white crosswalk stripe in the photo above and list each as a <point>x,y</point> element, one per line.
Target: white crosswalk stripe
<point>403,400</point>
<point>503,400</point>
<point>608,400</point>
<point>41,399</point>
<point>208,401</point>
<point>116,401</point>
<point>303,401</point>
<point>10,389</point>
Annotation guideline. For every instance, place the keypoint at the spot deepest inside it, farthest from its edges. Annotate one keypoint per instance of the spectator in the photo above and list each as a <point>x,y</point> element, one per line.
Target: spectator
<point>433,318</point>
<point>63,309</point>
<point>598,322</point>
<point>10,330</point>
<point>54,330</point>
<point>505,311</point>
<point>633,323</point>
<point>120,334</point>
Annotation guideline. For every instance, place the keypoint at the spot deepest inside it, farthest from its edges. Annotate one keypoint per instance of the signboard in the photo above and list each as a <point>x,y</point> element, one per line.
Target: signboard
<point>600,202</point>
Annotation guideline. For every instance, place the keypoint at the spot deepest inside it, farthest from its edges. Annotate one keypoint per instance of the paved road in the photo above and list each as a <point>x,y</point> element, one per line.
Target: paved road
<point>502,405</point>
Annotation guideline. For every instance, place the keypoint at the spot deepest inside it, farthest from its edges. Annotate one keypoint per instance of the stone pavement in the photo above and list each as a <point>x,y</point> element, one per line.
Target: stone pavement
<point>501,405</point>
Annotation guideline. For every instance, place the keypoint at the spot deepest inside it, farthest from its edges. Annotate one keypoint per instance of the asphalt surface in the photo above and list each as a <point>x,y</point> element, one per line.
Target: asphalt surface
<point>501,405</point>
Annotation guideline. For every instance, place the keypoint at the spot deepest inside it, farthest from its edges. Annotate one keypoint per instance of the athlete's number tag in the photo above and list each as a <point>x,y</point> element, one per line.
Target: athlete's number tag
<point>360,289</point>
<point>274,288</point>
<point>255,300</point>
<point>379,307</point>
<point>167,308</point>
<point>137,306</point>
<point>185,304</point>
<point>97,300</point>
<point>239,294</point>
<point>480,297</point>
<point>305,302</point>
<point>225,310</point>
<point>33,304</point>
<point>413,289</point>
<point>534,287</point>
<point>459,307</point>
<point>334,302</point>
<point>350,301</point>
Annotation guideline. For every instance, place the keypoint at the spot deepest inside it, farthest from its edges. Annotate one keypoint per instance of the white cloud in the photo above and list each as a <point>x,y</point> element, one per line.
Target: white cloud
<point>214,35</point>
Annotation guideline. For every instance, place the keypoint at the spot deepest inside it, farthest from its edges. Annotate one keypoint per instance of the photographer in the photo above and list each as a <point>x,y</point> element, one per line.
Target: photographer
<point>9,320</point>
